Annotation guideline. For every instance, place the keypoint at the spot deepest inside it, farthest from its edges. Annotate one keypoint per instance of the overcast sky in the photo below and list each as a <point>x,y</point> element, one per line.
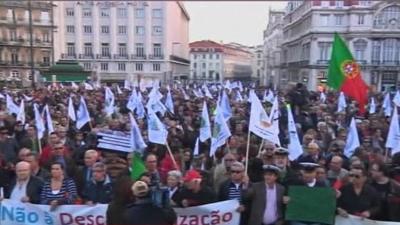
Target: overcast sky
<point>241,22</point>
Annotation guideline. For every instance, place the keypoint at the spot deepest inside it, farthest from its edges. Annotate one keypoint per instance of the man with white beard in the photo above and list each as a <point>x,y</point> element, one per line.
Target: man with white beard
<point>287,176</point>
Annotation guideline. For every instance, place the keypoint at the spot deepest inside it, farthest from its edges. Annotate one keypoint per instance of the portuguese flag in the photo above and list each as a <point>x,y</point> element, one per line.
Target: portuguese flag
<point>344,74</point>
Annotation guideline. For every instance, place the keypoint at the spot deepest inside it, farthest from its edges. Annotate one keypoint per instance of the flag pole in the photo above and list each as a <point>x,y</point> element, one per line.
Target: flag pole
<point>261,146</point>
<point>172,156</point>
<point>247,152</point>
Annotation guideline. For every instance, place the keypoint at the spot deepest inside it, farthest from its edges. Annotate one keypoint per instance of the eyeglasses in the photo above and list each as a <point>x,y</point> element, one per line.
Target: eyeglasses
<point>236,171</point>
<point>355,176</point>
<point>58,148</point>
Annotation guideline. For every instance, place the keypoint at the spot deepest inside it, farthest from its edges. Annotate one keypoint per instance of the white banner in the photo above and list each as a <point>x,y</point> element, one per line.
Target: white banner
<point>354,220</point>
<point>17,213</point>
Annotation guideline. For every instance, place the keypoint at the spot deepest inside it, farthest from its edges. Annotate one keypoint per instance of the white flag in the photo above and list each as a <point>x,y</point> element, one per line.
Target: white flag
<point>225,106</point>
<point>372,106</point>
<point>88,86</point>
<point>207,92</point>
<point>205,126</point>
<point>21,113</point>
<point>27,98</point>
<point>352,141</point>
<point>239,97</point>
<point>71,109</point>
<point>109,101</point>
<point>2,96</point>
<point>240,85</point>
<point>133,101</point>
<point>137,141</point>
<point>387,105</point>
<point>169,102</point>
<point>127,85</point>
<point>220,133</point>
<point>39,123</point>
<point>185,96</point>
<point>11,106</point>
<point>196,148</point>
<point>140,107</point>
<point>322,97</point>
<point>396,99</point>
<point>156,129</point>
<point>341,103</point>
<point>119,91</point>
<point>74,85</point>
<point>154,103</point>
<point>268,97</point>
<point>82,115</point>
<point>251,93</point>
<point>49,121</point>
<point>393,137</point>
<point>295,149</point>
<point>260,123</point>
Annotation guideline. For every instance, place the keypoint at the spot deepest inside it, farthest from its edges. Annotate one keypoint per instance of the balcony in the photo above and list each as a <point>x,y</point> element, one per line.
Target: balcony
<point>158,56</point>
<point>120,56</point>
<point>322,62</point>
<point>362,62</point>
<point>375,62</point>
<point>68,56</point>
<point>179,59</point>
<point>138,57</point>
<point>101,56</point>
<point>44,64</point>
<point>85,56</point>
<point>390,63</point>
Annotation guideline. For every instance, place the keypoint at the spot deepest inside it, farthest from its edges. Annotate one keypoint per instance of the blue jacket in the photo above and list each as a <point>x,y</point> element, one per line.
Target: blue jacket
<point>98,192</point>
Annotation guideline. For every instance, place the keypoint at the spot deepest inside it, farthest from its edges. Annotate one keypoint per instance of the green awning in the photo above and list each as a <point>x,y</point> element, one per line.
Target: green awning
<point>66,71</point>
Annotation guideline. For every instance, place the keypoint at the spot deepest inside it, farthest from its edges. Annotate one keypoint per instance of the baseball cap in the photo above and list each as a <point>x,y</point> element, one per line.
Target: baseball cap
<point>191,175</point>
<point>140,189</point>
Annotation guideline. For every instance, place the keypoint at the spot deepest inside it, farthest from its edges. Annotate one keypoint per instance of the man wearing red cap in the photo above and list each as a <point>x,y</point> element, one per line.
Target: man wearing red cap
<point>194,193</point>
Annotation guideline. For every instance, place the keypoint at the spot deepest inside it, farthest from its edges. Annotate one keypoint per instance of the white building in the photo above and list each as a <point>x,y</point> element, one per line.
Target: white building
<point>257,64</point>
<point>370,28</point>
<point>120,40</point>
<point>272,47</point>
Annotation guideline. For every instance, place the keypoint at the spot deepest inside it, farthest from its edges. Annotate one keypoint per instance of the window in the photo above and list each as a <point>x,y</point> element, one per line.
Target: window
<point>157,50</point>
<point>14,57</point>
<point>139,30</point>
<point>105,29</point>
<point>46,60</point>
<point>122,49</point>
<point>360,19</point>
<point>258,63</point>
<point>194,75</point>
<point>365,3</point>
<point>139,66</point>
<point>121,66</point>
<point>15,74</point>
<point>376,50</point>
<point>194,56</point>
<point>139,13</point>
<point>157,13</point>
<point>71,49</point>
<point>121,29</point>
<point>217,56</point>
<point>87,66</point>
<point>88,50</point>
<point>195,65</point>
<point>258,73</point>
<point>70,29</point>
<point>44,16</point>
<point>104,66</point>
<point>139,49</point>
<point>216,66</point>
<point>359,49</point>
<point>389,46</point>
<point>388,18</point>
<point>324,19</point>
<point>105,49</point>
<point>203,75</point>
<point>204,56</point>
<point>105,12</point>
<point>339,20</point>
<point>87,12</point>
<point>13,35</point>
<point>46,36</point>
<point>324,50</point>
<point>305,51</point>
<point>325,3</point>
<point>69,11</point>
<point>339,3</point>
<point>157,30</point>
<point>122,12</point>
<point>203,65</point>
<point>156,67</point>
<point>210,65</point>
<point>87,29</point>
<point>211,56</point>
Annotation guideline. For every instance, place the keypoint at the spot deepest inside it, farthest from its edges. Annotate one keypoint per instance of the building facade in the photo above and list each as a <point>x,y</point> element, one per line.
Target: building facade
<point>257,64</point>
<point>214,61</point>
<point>120,40</point>
<point>370,28</point>
<point>26,37</point>
<point>272,47</point>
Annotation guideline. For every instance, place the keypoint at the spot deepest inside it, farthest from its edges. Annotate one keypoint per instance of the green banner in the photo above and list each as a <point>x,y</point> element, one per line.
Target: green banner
<point>311,204</point>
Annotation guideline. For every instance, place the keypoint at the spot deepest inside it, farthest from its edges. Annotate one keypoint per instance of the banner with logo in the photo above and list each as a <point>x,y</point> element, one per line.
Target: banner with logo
<point>18,213</point>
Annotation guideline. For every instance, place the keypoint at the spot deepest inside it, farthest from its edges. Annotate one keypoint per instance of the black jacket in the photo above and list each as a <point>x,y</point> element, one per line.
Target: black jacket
<point>143,212</point>
<point>33,189</point>
<point>223,191</point>
<point>98,192</point>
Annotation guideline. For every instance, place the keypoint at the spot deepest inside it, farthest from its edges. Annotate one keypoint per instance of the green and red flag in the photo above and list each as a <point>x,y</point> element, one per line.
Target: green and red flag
<point>344,74</point>
<point>137,166</point>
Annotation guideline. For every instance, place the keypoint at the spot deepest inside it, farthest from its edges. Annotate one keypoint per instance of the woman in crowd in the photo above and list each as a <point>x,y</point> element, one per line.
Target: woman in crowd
<point>58,190</point>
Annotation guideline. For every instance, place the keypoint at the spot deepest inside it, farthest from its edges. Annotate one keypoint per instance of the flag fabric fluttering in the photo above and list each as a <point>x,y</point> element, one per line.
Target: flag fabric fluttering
<point>39,123</point>
<point>169,102</point>
<point>352,141</point>
<point>49,121</point>
<point>295,149</point>
<point>341,103</point>
<point>225,106</point>
<point>74,85</point>
<point>157,133</point>
<point>82,115</point>
<point>396,99</point>
<point>220,132</point>
<point>268,96</point>
<point>205,125</point>
<point>132,101</point>
<point>196,149</point>
<point>344,74</point>
<point>372,106</point>
<point>119,91</point>
<point>185,96</point>
<point>239,97</point>
<point>21,113</point>
<point>27,98</point>
<point>71,109</point>
<point>322,97</point>
<point>140,112</point>
<point>207,92</point>
<point>387,105</point>
<point>127,85</point>
<point>137,166</point>
<point>88,87</point>
<point>11,106</point>
<point>393,137</point>
<point>137,141</point>
<point>109,101</point>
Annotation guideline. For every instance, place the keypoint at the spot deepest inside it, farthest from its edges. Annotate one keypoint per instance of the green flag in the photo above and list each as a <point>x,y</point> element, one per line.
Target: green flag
<point>137,166</point>
<point>311,204</point>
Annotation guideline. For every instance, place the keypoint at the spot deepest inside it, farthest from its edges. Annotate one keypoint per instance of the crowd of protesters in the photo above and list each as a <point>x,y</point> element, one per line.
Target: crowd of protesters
<point>67,167</point>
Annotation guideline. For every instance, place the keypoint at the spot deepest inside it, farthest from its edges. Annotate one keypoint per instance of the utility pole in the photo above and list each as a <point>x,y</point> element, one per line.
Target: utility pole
<point>31,44</point>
